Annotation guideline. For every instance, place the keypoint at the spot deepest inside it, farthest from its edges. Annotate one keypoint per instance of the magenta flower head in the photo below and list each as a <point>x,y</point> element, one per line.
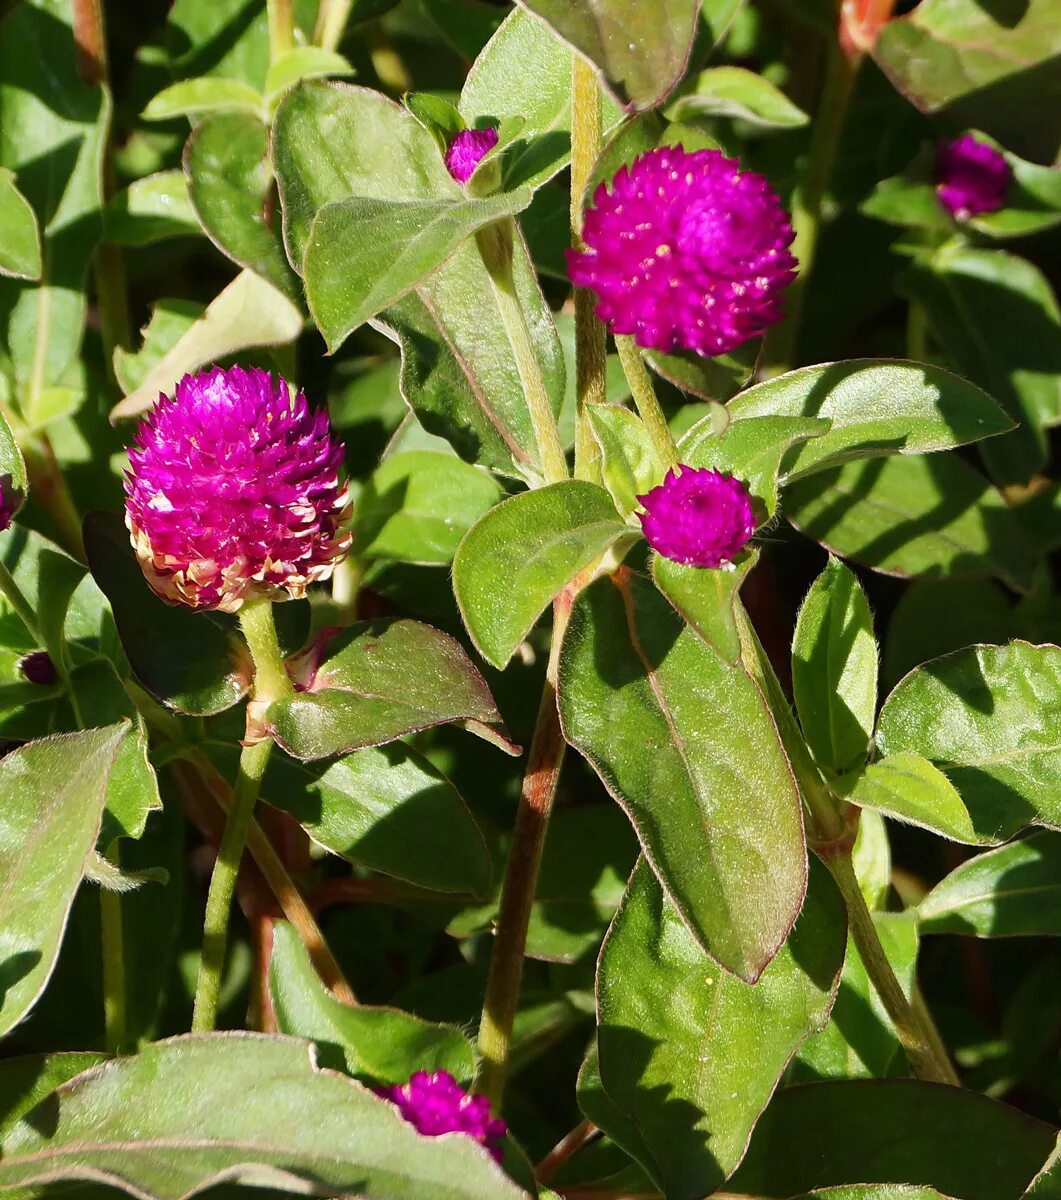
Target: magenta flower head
<point>234,492</point>
<point>437,1104</point>
<point>466,151</point>
<point>972,177</point>
<point>686,252</point>
<point>698,517</point>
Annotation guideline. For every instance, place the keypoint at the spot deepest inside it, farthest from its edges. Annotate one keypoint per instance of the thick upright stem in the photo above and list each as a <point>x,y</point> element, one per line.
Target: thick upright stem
<point>648,406</point>
<point>521,875</point>
<point>591,359</point>
<point>281,27</point>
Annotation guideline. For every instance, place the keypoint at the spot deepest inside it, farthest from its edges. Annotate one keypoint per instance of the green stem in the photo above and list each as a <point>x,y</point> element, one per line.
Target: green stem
<point>916,333</point>
<point>521,876</point>
<point>281,28</point>
<point>331,21</point>
<point>840,73</point>
<point>591,351</point>
<point>50,490</point>
<point>918,1037</point>
<point>495,245</point>
<point>114,1009</point>
<point>644,394</point>
<point>346,583</point>
<point>270,683</point>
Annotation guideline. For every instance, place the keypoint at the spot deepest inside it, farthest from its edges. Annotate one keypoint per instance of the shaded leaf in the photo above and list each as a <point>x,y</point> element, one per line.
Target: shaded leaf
<point>739,93</point>
<point>20,243</point>
<point>706,598</point>
<point>191,97</point>
<point>150,210</point>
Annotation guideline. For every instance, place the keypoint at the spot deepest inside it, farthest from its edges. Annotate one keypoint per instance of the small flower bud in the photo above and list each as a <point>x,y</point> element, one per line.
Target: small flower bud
<point>467,150</point>
<point>700,517</point>
<point>972,177</point>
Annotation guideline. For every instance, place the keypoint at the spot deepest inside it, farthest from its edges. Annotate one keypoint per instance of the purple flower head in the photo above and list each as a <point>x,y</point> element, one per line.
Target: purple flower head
<point>437,1104</point>
<point>700,517</point>
<point>467,150</point>
<point>972,177</point>
<point>37,667</point>
<point>686,252</point>
<point>234,492</point>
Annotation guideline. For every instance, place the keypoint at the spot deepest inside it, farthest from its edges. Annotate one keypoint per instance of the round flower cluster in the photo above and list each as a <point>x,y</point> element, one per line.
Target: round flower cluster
<point>686,252</point>
<point>234,492</point>
<point>700,517</point>
<point>437,1104</point>
<point>972,177</point>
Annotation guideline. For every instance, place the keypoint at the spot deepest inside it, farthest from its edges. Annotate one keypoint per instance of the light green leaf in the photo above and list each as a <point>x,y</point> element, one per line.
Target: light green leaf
<point>629,463</point>
<point>989,717</point>
<point>705,597</point>
<point>519,556</point>
<point>872,859</point>
<point>834,669</point>
<point>913,515</point>
<point>208,94</point>
<point>674,1029</point>
<point>170,320</point>
<point>20,243</point>
<point>302,62</point>
<point>132,791</point>
<point>909,788</point>
<point>378,1045</point>
<point>150,210</point>
<point>687,746</point>
<point>248,312</point>
<point>876,407</point>
<point>1009,892</point>
<point>184,1114</point>
<point>740,93</point>
<point>48,834</point>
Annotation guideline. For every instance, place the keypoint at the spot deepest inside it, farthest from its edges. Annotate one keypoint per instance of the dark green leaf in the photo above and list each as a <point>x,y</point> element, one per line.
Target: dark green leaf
<point>1009,892</point>
<point>48,834</point>
<point>182,1114</point>
<point>377,681</point>
<point>388,809</point>
<point>834,669</point>
<point>1047,1184</point>
<point>988,717</point>
<point>379,1045</point>
<point>690,1054</point>
<point>20,243</point>
<point>686,744</point>
<point>226,163</point>
<point>919,515</point>
<point>522,554</point>
<point>892,1131</point>
<point>192,662</point>
<point>876,407</point>
<point>47,578</point>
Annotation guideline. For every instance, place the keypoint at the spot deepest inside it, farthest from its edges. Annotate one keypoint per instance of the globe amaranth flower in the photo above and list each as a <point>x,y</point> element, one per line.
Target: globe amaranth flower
<point>234,492</point>
<point>698,516</point>
<point>437,1104</point>
<point>972,177</point>
<point>466,150</point>
<point>686,252</point>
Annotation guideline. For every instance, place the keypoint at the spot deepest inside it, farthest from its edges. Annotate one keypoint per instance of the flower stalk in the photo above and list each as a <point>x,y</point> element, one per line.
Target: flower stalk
<point>648,405</point>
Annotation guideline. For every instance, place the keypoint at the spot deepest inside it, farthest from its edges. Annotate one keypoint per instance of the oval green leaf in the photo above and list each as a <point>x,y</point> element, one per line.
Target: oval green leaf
<point>20,242</point>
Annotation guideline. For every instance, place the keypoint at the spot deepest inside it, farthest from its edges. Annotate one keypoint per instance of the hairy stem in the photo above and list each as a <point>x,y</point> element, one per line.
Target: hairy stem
<point>521,875</point>
<point>495,245</point>
<point>281,27</point>
<point>644,394</point>
<point>114,1006</point>
<point>590,335</point>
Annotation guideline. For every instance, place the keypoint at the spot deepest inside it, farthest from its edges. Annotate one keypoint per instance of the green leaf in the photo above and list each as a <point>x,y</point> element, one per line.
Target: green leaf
<point>1033,201</point>
<point>55,129</point>
<point>1009,892</point>
<point>13,482</point>
<point>876,407</point>
<point>48,834</point>
<point>186,1113</point>
<point>132,791</point>
<point>979,65</point>
<point>150,210</point>
<point>379,1045</point>
<point>226,163</point>
<point>222,39</point>
<point>834,669</point>
<point>519,556</point>
<point>1047,1184</point>
<point>628,461</point>
<point>389,809</point>
<point>741,94</point>
<point>706,597</point>
<point>860,1041</point>
<point>170,320</point>
<point>917,515</point>
<point>248,312</point>
<point>192,662</point>
<point>989,718</point>
<point>418,505</point>
<point>687,746</point>
<point>892,1131</point>
<point>675,1033</point>
<point>192,97</point>
<point>302,62</point>
<point>20,243</point>
<point>909,788</point>
<point>24,1082</point>
<point>364,254</point>
<point>377,681</point>
<point>642,52</point>
<point>47,577</point>
<point>525,71</point>
<point>998,322</point>
<point>876,1191</point>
